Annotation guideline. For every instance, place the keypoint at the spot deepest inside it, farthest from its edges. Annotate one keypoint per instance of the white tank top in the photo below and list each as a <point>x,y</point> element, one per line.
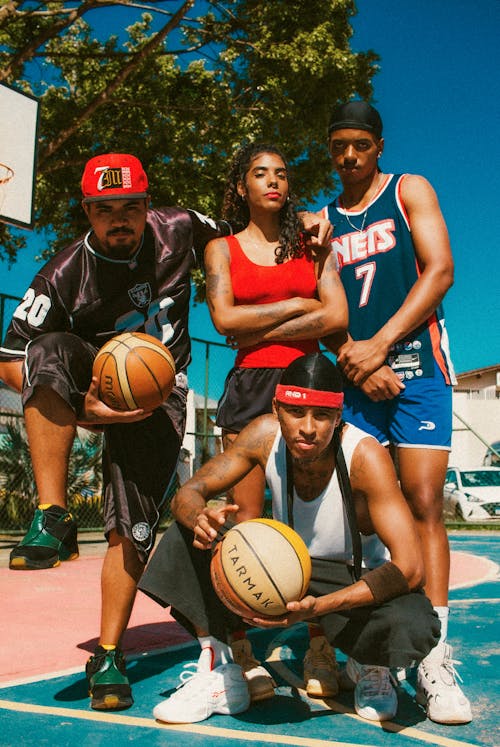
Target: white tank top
<point>322,523</point>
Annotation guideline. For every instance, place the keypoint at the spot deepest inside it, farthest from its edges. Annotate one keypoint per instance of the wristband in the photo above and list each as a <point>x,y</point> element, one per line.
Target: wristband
<point>386,582</point>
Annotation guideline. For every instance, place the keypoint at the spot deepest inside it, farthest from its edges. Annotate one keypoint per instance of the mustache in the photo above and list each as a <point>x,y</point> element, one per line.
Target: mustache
<point>119,229</point>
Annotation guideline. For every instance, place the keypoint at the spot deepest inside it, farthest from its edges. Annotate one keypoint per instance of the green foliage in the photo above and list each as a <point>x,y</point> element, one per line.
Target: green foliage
<point>18,496</point>
<point>16,472</point>
<point>181,97</point>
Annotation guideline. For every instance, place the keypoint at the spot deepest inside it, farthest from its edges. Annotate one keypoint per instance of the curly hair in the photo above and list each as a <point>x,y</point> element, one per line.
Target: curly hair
<point>235,209</point>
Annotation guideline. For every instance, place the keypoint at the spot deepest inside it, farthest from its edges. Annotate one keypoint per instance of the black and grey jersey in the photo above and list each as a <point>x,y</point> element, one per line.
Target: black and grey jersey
<point>97,297</point>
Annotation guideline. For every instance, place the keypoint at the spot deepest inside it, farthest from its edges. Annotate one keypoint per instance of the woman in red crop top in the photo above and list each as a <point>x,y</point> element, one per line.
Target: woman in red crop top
<point>271,292</point>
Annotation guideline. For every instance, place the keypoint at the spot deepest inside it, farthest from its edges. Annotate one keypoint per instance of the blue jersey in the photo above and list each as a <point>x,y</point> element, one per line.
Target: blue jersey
<point>378,267</point>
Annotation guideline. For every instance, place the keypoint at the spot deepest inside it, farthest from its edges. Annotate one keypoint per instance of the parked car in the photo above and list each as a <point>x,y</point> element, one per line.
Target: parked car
<point>473,494</point>
<point>491,459</point>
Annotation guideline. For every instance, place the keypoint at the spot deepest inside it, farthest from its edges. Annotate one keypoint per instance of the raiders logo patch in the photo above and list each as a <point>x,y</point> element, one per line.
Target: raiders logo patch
<point>140,295</point>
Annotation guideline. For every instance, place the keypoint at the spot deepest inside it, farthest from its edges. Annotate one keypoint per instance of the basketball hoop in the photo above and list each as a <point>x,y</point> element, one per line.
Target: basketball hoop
<point>6,175</point>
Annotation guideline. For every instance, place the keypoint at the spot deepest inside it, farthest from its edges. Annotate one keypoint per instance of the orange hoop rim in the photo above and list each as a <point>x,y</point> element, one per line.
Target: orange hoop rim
<point>10,173</point>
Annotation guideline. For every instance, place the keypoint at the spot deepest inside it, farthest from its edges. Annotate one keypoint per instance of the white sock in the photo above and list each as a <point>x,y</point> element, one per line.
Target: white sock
<point>213,653</point>
<point>443,614</point>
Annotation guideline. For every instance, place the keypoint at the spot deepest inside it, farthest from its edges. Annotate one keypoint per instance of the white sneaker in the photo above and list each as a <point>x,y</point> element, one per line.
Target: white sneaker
<point>223,690</point>
<point>437,688</point>
<point>374,695</point>
<point>260,683</point>
<point>321,675</point>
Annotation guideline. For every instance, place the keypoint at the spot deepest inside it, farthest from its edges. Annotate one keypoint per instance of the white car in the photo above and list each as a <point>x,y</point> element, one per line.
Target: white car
<point>491,458</point>
<point>473,494</point>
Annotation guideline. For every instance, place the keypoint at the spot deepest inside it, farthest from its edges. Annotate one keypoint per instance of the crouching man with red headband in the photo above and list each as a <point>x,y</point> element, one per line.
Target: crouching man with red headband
<point>338,489</point>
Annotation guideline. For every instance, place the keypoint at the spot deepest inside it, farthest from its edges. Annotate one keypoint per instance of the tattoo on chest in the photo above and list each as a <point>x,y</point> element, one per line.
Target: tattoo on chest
<point>310,483</point>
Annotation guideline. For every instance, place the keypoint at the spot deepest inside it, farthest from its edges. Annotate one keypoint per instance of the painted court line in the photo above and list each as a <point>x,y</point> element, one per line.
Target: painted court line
<point>276,656</point>
<point>203,729</point>
<point>456,602</point>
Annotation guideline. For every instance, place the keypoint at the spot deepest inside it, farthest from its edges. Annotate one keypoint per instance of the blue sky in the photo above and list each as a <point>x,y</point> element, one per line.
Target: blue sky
<point>438,93</point>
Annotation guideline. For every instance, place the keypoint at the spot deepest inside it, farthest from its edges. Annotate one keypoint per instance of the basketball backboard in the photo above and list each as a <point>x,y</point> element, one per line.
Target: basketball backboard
<point>19,115</point>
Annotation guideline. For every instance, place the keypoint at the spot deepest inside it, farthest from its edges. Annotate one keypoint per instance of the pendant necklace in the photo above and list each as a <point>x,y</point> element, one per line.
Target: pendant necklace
<point>363,222</point>
<point>359,230</point>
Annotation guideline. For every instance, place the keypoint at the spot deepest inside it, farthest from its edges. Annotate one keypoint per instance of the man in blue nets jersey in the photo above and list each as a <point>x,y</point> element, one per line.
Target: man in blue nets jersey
<point>394,257</point>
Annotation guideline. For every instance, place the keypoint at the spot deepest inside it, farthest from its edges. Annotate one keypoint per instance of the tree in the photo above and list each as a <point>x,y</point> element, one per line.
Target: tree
<point>181,87</point>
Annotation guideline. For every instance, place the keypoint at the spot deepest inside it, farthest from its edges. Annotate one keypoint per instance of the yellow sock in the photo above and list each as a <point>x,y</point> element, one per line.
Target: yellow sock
<point>44,506</point>
<point>107,646</point>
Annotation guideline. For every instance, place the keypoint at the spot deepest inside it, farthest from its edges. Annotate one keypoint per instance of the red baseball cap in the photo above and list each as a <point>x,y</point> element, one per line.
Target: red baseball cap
<point>114,176</point>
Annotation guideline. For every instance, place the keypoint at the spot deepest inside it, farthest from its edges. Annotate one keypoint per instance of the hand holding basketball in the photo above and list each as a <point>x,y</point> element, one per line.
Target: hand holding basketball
<point>95,413</point>
<point>134,371</point>
<point>258,567</point>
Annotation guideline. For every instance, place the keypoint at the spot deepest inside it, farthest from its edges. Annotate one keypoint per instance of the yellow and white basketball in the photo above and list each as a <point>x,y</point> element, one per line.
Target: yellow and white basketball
<point>134,370</point>
<point>259,566</point>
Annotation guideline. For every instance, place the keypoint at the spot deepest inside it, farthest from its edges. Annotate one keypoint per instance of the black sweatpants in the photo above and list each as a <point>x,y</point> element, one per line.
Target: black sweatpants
<point>397,633</point>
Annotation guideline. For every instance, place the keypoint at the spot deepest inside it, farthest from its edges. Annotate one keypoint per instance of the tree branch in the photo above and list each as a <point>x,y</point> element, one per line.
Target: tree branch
<point>120,78</point>
<point>28,51</point>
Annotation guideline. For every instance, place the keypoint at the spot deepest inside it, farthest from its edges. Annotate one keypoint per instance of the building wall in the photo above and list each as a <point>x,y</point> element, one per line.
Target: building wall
<point>480,384</point>
<point>473,420</point>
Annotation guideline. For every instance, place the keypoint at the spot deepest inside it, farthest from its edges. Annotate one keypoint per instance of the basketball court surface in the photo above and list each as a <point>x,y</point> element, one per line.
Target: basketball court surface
<point>48,626</point>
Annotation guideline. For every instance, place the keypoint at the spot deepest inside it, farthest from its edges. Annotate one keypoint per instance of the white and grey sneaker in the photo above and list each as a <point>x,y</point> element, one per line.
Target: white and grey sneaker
<point>374,695</point>
<point>260,683</point>
<point>437,688</point>
<point>321,674</point>
<point>200,694</point>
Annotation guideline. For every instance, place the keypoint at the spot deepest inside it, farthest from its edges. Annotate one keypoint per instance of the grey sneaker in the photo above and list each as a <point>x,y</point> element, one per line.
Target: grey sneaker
<point>374,695</point>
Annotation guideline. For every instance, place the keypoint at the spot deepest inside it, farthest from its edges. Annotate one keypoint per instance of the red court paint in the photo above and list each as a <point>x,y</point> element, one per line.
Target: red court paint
<point>50,618</point>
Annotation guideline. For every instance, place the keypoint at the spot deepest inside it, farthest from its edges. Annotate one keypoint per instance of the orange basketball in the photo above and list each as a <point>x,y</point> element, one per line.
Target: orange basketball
<point>259,566</point>
<point>134,370</point>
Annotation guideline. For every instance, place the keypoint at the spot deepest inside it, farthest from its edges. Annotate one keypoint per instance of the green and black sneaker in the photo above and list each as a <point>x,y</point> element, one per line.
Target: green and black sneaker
<point>109,687</point>
<point>52,537</point>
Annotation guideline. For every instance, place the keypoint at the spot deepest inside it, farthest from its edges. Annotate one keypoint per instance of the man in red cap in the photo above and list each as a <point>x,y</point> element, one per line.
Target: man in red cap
<point>130,272</point>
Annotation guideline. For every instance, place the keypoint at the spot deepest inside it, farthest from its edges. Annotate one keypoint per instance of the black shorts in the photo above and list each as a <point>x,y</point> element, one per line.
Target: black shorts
<point>139,459</point>
<point>248,393</point>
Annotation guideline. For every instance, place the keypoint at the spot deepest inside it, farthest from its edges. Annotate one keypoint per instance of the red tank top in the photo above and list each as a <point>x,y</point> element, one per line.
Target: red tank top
<point>257,284</point>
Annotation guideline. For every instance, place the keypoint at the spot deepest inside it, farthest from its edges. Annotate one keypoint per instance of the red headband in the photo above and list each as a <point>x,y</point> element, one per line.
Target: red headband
<point>290,394</point>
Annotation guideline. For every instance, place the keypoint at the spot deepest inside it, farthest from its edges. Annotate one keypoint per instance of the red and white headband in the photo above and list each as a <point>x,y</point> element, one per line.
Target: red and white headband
<point>290,394</point>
